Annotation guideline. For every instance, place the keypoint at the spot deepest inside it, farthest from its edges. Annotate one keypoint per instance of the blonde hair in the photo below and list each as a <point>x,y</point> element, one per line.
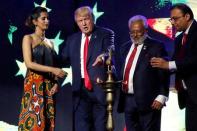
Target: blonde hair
<point>83,11</point>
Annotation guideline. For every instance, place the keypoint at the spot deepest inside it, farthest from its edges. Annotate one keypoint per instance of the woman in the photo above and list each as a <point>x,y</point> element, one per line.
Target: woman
<point>37,106</point>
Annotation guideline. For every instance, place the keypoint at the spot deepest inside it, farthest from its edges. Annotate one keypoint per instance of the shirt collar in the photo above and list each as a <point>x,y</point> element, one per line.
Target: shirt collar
<point>83,36</point>
<point>187,30</point>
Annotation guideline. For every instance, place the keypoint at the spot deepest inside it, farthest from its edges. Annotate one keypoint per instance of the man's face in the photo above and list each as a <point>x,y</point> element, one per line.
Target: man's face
<point>85,23</point>
<point>179,20</point>
<point>137,31</point>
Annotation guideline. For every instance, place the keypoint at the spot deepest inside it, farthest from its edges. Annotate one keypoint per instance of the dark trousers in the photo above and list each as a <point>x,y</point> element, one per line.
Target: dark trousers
<point>89,115</point>
<point>190,115</point>
<point>140,120</point>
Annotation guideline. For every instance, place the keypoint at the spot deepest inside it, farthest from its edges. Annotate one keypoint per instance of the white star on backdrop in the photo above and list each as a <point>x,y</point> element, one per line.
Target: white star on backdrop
<point>96,13</point>
<point>68,79</point>
<point>12,29</point>
<point>42,5</point>
<point>57,42</point>
<point>22,68</point>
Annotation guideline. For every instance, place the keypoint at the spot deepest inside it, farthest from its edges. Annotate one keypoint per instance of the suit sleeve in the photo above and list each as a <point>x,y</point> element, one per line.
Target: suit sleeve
<point>65,55</point>
<point>164,75</point>
<point>108,41</point>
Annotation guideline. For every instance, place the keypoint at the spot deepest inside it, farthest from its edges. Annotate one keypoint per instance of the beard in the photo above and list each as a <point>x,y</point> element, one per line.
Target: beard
<point>140,40</point>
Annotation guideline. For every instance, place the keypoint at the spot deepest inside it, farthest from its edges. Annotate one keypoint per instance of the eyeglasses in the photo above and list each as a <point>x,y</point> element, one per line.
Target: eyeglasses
<point>175,19</point>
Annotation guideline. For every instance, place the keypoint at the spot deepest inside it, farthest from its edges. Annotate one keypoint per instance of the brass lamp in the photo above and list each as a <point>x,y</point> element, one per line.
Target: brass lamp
<point>108,87</point>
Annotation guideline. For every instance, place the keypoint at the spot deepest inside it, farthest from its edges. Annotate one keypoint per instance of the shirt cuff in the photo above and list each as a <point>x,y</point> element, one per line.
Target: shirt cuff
<point>103,58</point>
<point>161,98</point>
<point>172,65</point>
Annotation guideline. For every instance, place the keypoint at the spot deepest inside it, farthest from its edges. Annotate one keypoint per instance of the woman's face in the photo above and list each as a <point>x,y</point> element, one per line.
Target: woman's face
<point>43,21</point>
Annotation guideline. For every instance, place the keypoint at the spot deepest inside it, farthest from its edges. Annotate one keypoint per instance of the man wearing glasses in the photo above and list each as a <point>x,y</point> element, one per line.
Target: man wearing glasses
<point>145,89</point>
<point>184,62</point>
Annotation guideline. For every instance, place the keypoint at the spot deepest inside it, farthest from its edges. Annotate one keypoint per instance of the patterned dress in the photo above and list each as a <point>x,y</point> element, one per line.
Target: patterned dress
<point>38,106</point>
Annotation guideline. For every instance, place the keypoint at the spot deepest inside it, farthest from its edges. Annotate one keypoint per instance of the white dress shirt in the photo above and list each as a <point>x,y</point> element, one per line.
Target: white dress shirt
<point>161,98</point>
<point>131,73</point>
<point>83,37</point>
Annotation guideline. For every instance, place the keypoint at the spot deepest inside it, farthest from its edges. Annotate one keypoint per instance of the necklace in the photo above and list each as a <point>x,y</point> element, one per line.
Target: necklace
<point>42,37</point>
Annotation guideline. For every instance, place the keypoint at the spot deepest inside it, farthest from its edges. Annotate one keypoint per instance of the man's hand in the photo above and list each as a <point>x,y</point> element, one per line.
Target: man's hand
<point>99,60</point>
<point>157,105</point>
<point>159,63</point>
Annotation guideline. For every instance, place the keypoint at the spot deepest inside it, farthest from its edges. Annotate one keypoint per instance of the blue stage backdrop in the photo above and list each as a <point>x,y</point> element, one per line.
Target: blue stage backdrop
<point>113,14</point>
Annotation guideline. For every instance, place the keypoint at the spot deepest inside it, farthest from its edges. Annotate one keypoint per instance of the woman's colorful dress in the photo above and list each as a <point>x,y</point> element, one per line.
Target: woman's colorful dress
<point>38,106</point>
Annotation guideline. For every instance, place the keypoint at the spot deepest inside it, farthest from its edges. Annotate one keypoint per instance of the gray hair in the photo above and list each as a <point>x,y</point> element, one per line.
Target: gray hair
<point>138,18</point>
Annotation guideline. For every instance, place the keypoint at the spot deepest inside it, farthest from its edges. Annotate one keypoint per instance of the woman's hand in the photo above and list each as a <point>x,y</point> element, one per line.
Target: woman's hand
<point>59,72</point>
<point>54,89</point>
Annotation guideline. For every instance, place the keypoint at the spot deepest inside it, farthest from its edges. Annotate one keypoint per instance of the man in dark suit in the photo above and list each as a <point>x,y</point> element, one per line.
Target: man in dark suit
<point>84,50</point>
<point>145,89</point>
<point>184,62</point>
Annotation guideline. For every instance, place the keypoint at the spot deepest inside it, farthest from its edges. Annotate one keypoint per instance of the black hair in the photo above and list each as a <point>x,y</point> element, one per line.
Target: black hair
<point>184,8</point>
<point>35,14</point>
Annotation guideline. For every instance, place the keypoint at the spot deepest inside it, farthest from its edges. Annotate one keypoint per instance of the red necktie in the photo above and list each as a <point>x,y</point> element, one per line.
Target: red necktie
<point>88,84</point>
<point>184,39</point>
<point>178,81</point>
<point>182,49</point>
<point>128,68</point>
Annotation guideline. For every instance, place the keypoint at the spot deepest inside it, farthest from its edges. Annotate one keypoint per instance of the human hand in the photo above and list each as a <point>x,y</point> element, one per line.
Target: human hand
<point>54,89</point>
<point>159,63</point>
<point>157,105</point>
<point>59,72</point>
<point>99,60</point>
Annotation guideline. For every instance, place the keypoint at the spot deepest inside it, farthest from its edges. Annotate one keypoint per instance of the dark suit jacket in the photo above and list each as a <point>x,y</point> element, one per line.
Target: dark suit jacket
<point>187,66</point>
<point>148,82</point>
<point>100,41</point>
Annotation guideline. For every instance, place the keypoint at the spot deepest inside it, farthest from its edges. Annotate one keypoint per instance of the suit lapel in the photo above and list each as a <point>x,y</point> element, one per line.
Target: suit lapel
<point>91,46</point>
<point>190,34</point>
<point>77,48</point>
<point>126,49</point>
<point>143,53</point>
<point>178,41</point>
